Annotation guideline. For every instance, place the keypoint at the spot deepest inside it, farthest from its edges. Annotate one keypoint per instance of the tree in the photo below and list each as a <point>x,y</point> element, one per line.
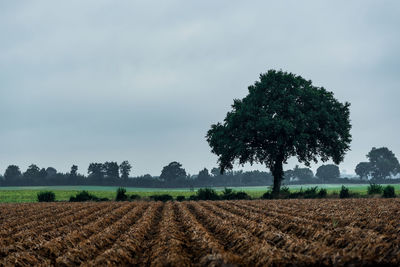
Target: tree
<point>74,171</point>
<point>96,171</point>
<point>173,172</point>
<point>283,115</point>
<point>125,169</point>
<point>12,173</point>
<point>363,169</point>
<point>33,171</point>
<point>302,174</point>
<point>51,171</point>
<point>383,163</point>
<point>204,176</point>
<point>111,169</point>
<point>328,172</point>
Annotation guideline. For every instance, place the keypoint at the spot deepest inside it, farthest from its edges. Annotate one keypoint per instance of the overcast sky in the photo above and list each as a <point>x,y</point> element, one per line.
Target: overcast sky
<point>95,81</point>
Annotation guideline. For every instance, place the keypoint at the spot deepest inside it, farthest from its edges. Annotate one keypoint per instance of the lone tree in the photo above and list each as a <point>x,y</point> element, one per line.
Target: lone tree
<point>363,169</point>
<point>328,172</point>
<point>383,163</point>
<point>283,115</point>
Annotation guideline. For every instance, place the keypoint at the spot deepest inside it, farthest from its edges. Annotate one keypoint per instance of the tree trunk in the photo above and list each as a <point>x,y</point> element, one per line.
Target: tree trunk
<point>277,172</point>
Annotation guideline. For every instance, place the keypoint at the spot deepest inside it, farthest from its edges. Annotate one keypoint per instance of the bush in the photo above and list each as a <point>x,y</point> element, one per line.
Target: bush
<point>267,195</point>
<point>163,198</point>
<point>322,193</point>
<point>207,194</point>
<point>344,192</point>
<point>311,192</point>
<point>388,192</point>
<point>193,197</point>
<point>374,189</point>
<point>46,196</point>
<point>84,196</point>
<point>134,197</point>
<point>229,194</point>
<point>121,194</point>
<point>180,198</point>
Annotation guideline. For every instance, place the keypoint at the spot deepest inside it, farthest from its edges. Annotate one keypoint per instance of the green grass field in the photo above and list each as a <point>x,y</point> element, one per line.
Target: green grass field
<point>63,193</point>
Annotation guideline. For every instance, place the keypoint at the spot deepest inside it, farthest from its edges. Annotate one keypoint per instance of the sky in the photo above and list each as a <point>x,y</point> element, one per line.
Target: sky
<point>95,81</point>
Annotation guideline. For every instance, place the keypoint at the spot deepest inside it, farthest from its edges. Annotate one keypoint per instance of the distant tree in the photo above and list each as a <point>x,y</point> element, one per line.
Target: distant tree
<point>111,169</point>
<point>51,171</point>
<point>328,172</point>
<point>33,171</point>
<point>302,174</point>
<point>125,169</point>
<point>363,169</point>
<point>173,172</point>
<point>383,163</point>
<point>74,171</point>
<point>283,115</point>
<point>96,171</point>
<point>42,173</point>
<point>204,176</point>
<point>12,174</point>
<point>216,171</point>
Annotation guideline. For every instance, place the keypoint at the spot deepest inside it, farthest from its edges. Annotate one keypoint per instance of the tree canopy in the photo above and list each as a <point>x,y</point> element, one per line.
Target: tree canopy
<point>173,172</point>
<point>282,116</point>
<point>382,163</point>
<point>328,172</point>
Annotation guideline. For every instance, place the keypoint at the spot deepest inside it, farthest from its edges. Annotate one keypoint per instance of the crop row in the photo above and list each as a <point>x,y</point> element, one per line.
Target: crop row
<point>204,233</point>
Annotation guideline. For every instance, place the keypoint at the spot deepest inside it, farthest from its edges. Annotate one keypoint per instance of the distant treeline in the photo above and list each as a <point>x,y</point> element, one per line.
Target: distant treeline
<point>172,175</point>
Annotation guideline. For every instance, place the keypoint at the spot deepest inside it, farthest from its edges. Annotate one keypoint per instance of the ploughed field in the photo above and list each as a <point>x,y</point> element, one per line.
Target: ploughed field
<point>204,233</point>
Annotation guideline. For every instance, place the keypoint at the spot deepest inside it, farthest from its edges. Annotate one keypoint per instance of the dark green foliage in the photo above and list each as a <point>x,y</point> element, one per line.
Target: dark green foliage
<point>328,172</point>
<point>229,194</point>
<point>207,194</point>
<point>12,173</point>
<point>180,198</point>
<point>374,189</point>
<point>301,174</point>
<point>163,197</point>
<point>283,116</point>
<point>134,197</point>
<point>267,195</point>
<point>121,194</point>
<point>83,196</point>
<point>388,192</point>
<point>125,168</point>
<point>311,192</point>
<point>322,193</point>
<point>193,198</point>
<point>46,196</point>
<point>173,172</point>
<point>344,192</point>
<point>383,163</point>
<point>363,169</point>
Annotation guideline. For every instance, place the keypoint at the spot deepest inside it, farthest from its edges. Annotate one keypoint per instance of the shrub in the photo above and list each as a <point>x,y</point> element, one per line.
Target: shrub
<point>46,196</point>
<point>311,192</point>
<point>322,193</point>
<point>83,196</point>
<point>134,197</point>
<point>193,197</point>
<point>163,198</point>
<point>344,192</point>
<point>374,189</point>
<point>180,198</point>
<point>241,195</point>
<point>267,195</point>
<point>388,192</point>
<point>229,194</point>
<point>207,194</point>
<point>121,194</point>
